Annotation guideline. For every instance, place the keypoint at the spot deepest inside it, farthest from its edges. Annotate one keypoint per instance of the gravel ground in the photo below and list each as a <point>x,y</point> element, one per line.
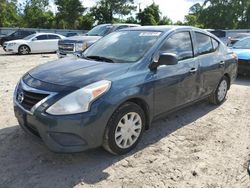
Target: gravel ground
<point>199,146</point>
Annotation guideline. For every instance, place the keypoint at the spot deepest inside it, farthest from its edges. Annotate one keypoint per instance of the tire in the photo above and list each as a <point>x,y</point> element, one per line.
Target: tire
<point>23,50</point>
<point>124,129</point>
<point>219,95</point>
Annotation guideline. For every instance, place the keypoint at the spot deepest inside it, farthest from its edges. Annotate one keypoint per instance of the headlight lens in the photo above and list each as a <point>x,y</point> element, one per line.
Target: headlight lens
<point>80,46</point>
<point>12,44</point>
<point>80,100</point>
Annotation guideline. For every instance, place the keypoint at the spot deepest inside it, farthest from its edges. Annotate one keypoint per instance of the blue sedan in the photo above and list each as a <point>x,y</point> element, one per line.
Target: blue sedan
<point>242,49</point>
<point>124,81</point>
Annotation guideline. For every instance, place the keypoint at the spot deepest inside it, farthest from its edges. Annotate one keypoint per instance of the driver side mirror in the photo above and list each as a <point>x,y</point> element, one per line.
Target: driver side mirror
<point>164,59</point>
<point>34,39</point>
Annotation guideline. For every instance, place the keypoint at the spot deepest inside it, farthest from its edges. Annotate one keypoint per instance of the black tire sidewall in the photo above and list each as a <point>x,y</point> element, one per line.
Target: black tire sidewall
<point>113,123</point>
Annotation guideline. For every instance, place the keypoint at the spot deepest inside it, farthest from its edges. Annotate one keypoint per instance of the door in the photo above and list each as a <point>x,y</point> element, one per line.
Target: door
<point>39,43</point>
<point>176,85</point>
<point>53,42</point>
<point>210,61</point>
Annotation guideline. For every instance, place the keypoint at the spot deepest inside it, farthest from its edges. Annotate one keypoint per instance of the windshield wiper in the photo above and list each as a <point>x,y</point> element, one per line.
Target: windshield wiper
<point>100,58</point>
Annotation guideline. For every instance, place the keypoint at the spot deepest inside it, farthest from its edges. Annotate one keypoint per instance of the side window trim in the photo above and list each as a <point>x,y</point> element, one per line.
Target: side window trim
<point>215,49</point>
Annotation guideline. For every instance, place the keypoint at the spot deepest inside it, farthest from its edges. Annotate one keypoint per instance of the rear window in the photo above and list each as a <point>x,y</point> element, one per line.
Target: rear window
<point>204,43</point>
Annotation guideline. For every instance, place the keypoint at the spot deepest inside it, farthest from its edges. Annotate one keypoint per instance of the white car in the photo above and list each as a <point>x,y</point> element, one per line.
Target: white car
<point>35,43</point>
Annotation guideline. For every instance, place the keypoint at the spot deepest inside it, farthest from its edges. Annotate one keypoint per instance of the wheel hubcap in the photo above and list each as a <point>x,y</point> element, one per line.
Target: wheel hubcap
<point>128,130</point>
<point>24,50</point>
<point>222,90</point>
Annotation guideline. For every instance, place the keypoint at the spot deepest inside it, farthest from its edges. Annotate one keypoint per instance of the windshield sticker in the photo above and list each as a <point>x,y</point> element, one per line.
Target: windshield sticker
<point>149,34</point>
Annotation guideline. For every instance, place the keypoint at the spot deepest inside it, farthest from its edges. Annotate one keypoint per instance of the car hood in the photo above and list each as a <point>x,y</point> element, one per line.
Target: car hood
<point>16,41</point>
<point>242,53</point>
<point>76,72</point>
<point>82,38</point>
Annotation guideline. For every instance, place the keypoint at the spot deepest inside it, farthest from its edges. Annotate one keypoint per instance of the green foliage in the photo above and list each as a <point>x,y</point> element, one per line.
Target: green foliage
<point>105,10</point>
<point>9,13</point>
<point>220,14</point>
<point>151,15</point>
<point>165,21</point>
<point>36,14</point>
<point>216,14</point>
<point>69,13</point>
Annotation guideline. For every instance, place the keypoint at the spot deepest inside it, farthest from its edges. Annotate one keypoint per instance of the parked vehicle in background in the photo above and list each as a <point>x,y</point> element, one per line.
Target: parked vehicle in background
<point>19,34</point>
<point>36,43</point>
<point>237,37</point>
<point>242,49</point>
<point>124,81</point>
<point>221,34</point>
<point>77,44</point>
<point>71,34</point>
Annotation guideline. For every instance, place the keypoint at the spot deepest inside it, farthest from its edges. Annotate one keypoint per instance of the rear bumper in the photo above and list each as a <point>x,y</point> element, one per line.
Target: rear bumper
<point>244,67</point>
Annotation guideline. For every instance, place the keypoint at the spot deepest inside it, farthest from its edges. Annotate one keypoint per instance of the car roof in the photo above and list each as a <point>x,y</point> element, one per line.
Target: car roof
<point>162,28</point>
<point>47,34</point>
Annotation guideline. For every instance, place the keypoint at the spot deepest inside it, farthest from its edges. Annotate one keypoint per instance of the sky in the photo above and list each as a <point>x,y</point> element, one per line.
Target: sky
<point>174,9</point>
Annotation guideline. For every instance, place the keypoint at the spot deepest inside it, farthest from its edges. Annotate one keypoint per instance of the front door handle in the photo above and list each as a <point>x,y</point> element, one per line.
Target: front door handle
<point>193,70</point>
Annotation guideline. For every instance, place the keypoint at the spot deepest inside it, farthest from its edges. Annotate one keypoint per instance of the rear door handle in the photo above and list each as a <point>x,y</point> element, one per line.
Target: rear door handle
<point>193,70</point>
<point>222,63</point>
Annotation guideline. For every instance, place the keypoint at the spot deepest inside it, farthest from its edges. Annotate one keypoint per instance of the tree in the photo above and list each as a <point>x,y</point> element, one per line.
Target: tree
<point>150,15</point>
<point>220,14</point>
<point>165,21</point>
<point>105,10</point>
<point>36,14</point>
<point>9,16</point>
<point>69,13</point>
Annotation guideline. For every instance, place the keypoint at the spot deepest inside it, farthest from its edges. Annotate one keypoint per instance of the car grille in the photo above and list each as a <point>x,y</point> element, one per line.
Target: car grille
<point>66,47</point>
<point>28,99</point>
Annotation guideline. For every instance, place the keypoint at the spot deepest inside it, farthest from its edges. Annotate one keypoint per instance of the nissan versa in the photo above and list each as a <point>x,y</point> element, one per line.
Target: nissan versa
<point>110,95</point>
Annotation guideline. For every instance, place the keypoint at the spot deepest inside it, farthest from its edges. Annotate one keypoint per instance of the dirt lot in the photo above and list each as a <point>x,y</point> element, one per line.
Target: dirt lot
<point>200,146</point>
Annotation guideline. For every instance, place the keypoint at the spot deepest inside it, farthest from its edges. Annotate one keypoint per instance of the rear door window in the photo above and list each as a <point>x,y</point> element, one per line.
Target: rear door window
<point>42,37</point>
<point>51,37</point>
<point>179,44</point>
<point>204,43</point>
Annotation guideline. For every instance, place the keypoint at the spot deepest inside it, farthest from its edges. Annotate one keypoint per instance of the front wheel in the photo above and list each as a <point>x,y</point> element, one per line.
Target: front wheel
<point>220,93</point>
<point>23,50</point>
<point>124,129</point>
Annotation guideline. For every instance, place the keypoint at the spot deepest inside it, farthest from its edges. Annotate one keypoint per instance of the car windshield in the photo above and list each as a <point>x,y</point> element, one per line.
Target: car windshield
<point>122,46</point>
<point>99,30</point>
<point>242,44</point>
<point>29,37</point>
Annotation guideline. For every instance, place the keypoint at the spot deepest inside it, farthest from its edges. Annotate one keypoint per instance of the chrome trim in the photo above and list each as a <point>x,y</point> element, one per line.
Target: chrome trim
<point>25,87</point>
<point>66,50</point>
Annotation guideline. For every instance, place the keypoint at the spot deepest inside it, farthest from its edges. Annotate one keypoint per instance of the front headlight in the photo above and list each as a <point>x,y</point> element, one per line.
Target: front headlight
<point>80,46</point>
<point>12,44</point>
<point>80,100</point>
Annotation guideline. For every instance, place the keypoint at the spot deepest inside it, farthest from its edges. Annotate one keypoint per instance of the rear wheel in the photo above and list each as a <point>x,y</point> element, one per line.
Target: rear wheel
<point>124,129</point>
<point>221,92</point>
<point>23,50</point>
